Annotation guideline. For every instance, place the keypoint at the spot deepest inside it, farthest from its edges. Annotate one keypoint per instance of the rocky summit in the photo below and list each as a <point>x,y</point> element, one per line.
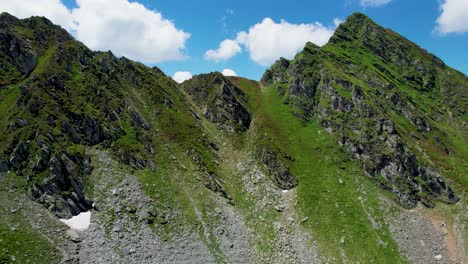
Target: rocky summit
<point>354,152</point>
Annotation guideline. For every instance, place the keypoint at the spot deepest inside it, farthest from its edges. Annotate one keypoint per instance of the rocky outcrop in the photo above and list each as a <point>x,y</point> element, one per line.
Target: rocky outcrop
<point>220,101</point>
<point>56,178</point>
<point>276,73</point>
<point>277,168</point>
<point>19,51</point>
<point>62,190</point>
<point>56,115</point>
<point>299,87</point>
<point>19,155</point>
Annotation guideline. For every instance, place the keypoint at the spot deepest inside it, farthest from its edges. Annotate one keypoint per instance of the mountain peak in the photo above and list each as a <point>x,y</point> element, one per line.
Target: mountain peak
<point>6,15</point>
<point>224,103</point>
<point>357,17</point>
<point>6,18</point>
<point>353,28</point>
<point>358,21</point>
<point>361,32</point>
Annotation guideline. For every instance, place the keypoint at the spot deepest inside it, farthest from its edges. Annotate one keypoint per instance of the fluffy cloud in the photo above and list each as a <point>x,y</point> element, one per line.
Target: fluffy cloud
<point>127,28</point>
<point>454,17</point>
<point>229,72</point>
<point>55,10</point>
<point>374,2</point>
<point>182,76</point>
<point>337,22</point>
<point>226,50</point>
<point>267,41</point>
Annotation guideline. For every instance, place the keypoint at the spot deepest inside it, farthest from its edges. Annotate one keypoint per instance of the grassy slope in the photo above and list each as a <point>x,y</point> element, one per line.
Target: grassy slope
<point>18,238</point>
<point>334,209</point>
<point>433,105</point>
<point>236,149</point>
<point>336,212</point>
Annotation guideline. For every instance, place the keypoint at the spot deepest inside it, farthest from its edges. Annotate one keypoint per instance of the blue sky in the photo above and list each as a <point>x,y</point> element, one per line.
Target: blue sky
<point>413,19</point>
<point>198,26</point>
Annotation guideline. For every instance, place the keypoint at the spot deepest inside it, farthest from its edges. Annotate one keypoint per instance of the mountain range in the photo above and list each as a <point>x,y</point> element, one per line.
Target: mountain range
<point>354,152</point>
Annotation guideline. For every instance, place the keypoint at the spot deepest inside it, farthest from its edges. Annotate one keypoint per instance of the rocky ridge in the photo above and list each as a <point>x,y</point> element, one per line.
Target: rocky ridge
<point>359,104</point>
<point>219,100</point>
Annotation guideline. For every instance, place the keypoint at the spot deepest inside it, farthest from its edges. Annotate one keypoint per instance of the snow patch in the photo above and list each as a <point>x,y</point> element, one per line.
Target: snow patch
<point>79,222</point>
<point>285,191</point>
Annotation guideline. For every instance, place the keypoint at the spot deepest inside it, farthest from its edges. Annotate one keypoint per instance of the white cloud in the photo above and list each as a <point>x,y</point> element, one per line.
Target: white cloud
<point>229,72</point>
<point>267,41</point>
<point>337,22</point>
<point>454,17</point>
<point>55,10</point>
<point>127,28</point>
<point>366,3</point>
<point>182,76</point>
<point>227,49</point>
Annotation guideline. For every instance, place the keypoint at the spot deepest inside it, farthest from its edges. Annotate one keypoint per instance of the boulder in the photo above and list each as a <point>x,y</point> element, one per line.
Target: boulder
<point>74,236</point>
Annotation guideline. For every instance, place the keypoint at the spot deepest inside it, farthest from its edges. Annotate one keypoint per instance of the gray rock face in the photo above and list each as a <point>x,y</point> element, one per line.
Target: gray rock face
<point>42,157</point>
<point>19,52</point>
<point>65,176</point>
<point>19,155</point>
<point>85,129</point>
<point>138,120</point>
<point>387,157</point>
<point>382,150</point>
<point>276,74</point>
<point>3,166</point>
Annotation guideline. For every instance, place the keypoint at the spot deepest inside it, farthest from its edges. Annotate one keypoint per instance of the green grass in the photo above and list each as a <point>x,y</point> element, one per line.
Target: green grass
<point>8,99</point>
<point>24,244</point>
<point>251,90</point>
<point>128,141</point>
<point>334,210</point>
<point>9,75</point>
<point>454,166</point>
<point>17,236</point>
